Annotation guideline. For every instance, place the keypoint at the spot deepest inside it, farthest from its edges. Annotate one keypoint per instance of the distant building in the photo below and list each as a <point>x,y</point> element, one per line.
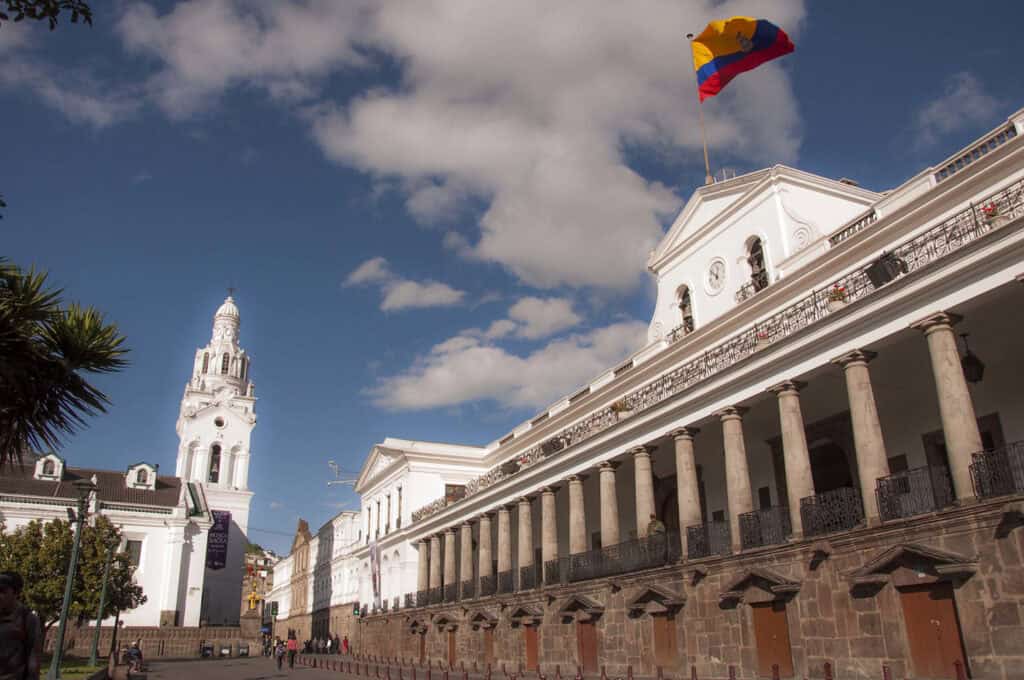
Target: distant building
<point>257,580</point>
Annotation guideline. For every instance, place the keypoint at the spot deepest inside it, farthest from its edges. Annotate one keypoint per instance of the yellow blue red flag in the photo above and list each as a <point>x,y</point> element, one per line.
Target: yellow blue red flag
<point>729,47</point>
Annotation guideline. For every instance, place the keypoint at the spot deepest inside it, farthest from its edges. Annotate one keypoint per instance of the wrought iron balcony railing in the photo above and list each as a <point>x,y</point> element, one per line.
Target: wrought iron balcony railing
<point>914,492</point>
<point>410,600</point>
<point>528,577</point>
<point>831,511</point>
<point>451,592</point>
<point>937,242</point>
<point>395,602</point>
<point>710,538</point>
<point>468,589</point>
<point>626,557</point>
<point>755,285</point>
<point>553,572</point>
<point>769,526</point>
<point>488,585</point>
<point>505,579</point>
<point>998,472</point>
<point>436,595</point>
<point>384,606</point>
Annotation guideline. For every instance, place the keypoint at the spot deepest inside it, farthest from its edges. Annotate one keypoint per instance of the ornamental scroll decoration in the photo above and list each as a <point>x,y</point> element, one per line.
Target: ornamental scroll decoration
<point>950,235</point>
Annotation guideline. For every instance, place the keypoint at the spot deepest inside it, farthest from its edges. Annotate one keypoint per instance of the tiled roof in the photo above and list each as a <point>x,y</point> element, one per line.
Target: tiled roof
<point>18,479</point>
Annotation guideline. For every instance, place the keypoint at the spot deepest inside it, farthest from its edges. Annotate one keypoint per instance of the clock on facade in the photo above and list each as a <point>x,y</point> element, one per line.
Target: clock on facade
<point>715,279</point>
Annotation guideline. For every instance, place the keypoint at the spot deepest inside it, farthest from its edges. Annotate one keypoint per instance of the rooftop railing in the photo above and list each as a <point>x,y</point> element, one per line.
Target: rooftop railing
<point>861,223</point>
<point>989,144</point>
<point>941,240</point>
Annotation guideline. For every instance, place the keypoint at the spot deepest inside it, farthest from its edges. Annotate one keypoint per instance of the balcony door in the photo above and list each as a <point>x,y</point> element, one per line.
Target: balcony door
<point>771,630</point>
<point>451,649</point>
<point>488,646</point>
<point>530,642</point>
<point>933,630</point>
<point>664,641</point>
<point>423,648</point>
<point>586,645</point>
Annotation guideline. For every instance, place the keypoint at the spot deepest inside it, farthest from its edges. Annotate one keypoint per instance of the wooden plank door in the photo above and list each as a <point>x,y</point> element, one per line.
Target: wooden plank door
<point>423,648</point>
<point>933,630</point>
<point>586,643</point>
<point>451,649</point>
<point>488,645</point>
<point>664,641</point>
<point>772,633</point>
<point>530,641</point>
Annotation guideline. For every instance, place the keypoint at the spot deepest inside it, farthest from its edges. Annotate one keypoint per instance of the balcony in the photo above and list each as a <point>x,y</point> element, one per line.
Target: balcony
<point>552,572</point>
<point>768,526</point>
<point>505,579</point>
<point>914,492</point>
<point>758,282</point>
<point>998,472</point>
<point>528,577</point>
<point>468,590</point>
<point>410,600</point>
<point>710,538</point>
<point>656,550</point>
<point>488,585</point>
<point>451,592</point>
<point>436,595</point>
<point>394,603</point>
<point>831,511</point>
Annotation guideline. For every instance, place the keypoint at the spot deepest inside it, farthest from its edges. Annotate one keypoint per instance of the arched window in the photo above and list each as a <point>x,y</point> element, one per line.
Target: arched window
<point>206,362</point>
<point>142,476</point>
<point>225,363</point>
<point>214,462</point>
<point>758,271</point>
<point>685,309</point>
<point>49,468</point>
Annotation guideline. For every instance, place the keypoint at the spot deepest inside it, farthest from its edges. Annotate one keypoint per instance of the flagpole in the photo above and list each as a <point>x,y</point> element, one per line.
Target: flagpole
<point>700,116</point>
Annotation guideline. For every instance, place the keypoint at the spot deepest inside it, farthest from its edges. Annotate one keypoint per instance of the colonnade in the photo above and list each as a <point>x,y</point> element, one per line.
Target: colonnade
<point>959,425</point>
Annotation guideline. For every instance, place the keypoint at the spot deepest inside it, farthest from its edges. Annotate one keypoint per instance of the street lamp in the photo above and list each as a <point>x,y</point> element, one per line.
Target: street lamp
<point>83,488</point>
<point>115,539</point>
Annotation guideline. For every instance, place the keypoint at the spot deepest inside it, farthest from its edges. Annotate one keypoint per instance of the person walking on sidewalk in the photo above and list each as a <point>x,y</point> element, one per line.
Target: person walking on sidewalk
<point>293,647</point>
<point>20,637</point>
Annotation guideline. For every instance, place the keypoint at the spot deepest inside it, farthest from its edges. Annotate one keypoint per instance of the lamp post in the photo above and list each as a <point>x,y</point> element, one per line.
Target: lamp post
<point>83,488</point>
<point>103,600</point>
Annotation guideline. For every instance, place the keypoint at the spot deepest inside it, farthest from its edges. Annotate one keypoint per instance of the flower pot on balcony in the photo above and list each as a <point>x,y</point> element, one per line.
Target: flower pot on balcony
<point>835,305</point>
<point>885,269</point>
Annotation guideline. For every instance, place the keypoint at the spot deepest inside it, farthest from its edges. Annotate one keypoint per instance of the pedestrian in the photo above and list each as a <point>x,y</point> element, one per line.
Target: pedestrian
<point>20,638</point>
<point>279,652</point>
<point>329,642</point>
<point>344,645</point>
<point>337,644</point>
<point>293,648</point>
<point>655,526</point>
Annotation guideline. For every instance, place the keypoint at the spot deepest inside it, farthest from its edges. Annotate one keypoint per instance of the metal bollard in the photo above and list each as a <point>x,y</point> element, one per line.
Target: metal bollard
<point>558,672</point>
<point>958,668</point>
<point>629,672</point>
<point>604,676</point>
<point>579,673</point>
<point>488,671</point>
<point>659,673</point>
<point>732,672</point>
<point>693,673</point>
<point>886,673</point>
<point>775,671</point>
<point>826,671</point>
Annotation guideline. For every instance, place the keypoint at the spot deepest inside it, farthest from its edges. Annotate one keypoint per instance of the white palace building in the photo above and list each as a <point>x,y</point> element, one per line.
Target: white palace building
<point>187,550</point>
<point>826,422</point>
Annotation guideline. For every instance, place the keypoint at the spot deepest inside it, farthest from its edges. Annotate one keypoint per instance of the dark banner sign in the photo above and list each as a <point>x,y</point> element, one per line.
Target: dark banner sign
<point>217,540</point>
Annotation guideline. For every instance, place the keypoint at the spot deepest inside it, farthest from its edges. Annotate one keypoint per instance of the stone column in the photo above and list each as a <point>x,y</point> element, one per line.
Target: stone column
<point>466,566</point>
<point>549,525</point>
<point>872,460</point>
<point>959,423</point>
<point>423,575</point>
<point>687,489</point>
<point>450,577</point>
<point>609,505</point>
<point>484,546</point>
<point>435,562</point>
<point>799,482</point>
<point>525,535</point>
<point>644,489</point>
<point>737,474</point>
<point>577,518</point>
<point>504,541</point>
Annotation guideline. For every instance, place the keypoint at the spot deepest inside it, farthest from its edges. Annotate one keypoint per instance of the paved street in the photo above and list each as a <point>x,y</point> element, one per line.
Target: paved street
<point>234,669</point>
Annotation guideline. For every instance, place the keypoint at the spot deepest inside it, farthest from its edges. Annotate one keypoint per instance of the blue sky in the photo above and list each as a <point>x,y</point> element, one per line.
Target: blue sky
<point>436,214</point>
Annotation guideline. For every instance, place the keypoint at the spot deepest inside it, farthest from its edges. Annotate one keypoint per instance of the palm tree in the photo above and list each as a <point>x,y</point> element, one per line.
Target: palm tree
<point>44,350</point>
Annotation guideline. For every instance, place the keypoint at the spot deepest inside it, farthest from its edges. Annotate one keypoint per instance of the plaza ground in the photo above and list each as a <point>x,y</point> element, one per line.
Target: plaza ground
<point>258,668</point>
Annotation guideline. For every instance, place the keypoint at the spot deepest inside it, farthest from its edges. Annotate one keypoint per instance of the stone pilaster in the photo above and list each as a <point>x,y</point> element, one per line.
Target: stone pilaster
<point>868,442</point>
<point>737,472</point>
<point>644,489</point>
<point>466,553</point>
<point>548,525</point>
<point>525,535</point>
<point>609,505</point>
<point>504,540</point>
<point>687,489</point>
<point>577,518</point>
<point>450,577</point>
<point>799,482</point>
<point>423,568</point>
<point>484,547</point>
<point>435,562</point>
<point>959,422</point>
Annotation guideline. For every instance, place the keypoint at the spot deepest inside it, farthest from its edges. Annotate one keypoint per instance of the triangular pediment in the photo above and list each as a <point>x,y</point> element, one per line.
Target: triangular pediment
<point>483,619</point>
<point>302,535</point>
<point>377,463</point>
<point>654,600</point>
<point>765,584</point>
<point>526,612</point>
<point>580,608</point>
<point>916,558</point>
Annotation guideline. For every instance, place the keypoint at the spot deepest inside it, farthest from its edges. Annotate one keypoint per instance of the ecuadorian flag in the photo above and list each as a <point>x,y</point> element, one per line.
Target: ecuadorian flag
<point>729,47</point>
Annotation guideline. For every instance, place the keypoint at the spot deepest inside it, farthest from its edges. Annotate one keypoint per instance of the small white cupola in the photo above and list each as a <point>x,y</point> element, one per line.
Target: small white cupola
<point>141,476</point>
<point>50,467</point>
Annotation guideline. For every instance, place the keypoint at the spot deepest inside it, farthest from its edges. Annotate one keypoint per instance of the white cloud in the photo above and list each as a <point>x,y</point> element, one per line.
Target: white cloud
<point>276,505</point>
<point>400,293</point>
<point>540,317</point>
<point>963,102</point>
<point>140,177</point>
<point>466,368</point>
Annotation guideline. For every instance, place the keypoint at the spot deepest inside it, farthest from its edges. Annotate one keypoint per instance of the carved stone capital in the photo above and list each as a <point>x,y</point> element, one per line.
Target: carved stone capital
<point>731,412</point>
<point>855,358</point>
<point>937,321</point>
<point>787,387</point>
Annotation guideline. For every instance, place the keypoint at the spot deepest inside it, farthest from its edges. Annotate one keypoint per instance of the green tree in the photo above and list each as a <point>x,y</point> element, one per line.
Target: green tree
<point>45,348</point>
<point>49,10</point>
<point>40,552</point>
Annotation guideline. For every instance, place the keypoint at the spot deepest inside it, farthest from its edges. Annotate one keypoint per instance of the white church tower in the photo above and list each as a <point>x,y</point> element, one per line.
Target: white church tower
<point>214,426</point>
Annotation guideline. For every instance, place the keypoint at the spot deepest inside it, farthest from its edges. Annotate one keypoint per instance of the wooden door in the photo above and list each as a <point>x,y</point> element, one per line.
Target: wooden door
<point>772,633</point>
<point>664,641</point>
<point>530,641</point>
<point>423,648</point>
<point>933,630</point>
<point>451,649</point>
<point>586,645</point>
<point>488,645</point>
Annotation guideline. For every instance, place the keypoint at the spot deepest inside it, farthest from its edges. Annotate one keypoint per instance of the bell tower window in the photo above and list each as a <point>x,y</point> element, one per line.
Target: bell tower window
<point>758,271</point>
<point>214,463</point>
<point>206,362</point>
<point>225,363</point>
<point>142,476</point>
<point>685,309</point>
<point>49,468</point>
